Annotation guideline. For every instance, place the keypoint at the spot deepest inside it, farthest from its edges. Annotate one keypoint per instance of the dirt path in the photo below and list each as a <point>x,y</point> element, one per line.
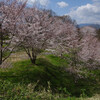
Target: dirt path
<point>14,58</point>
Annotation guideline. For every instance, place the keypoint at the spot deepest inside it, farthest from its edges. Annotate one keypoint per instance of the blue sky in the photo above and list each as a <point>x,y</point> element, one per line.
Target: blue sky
<point>71,5</point>
<point>83,11</point>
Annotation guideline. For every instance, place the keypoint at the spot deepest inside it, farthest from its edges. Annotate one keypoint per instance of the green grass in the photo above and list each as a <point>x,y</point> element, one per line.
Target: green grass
<point>57,61</point>
<point>47,80</point>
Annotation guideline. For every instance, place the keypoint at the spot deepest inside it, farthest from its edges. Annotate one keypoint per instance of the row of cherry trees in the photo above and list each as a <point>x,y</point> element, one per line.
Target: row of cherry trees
<point>33,29</point>
<point>10,10</point>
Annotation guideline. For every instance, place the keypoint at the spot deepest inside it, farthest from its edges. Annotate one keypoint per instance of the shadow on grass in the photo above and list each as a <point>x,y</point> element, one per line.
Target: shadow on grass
<point>43,72</point>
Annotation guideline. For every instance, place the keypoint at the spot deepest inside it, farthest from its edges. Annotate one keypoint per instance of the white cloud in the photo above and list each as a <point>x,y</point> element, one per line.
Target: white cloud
<point>32,1</point>
<point>41,2</point>
<point>89,13</point>
<point>44,2</point>
<point>62,4</point>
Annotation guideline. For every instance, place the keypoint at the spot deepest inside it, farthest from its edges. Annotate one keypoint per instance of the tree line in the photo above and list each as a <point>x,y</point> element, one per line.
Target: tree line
<point>35,30</point>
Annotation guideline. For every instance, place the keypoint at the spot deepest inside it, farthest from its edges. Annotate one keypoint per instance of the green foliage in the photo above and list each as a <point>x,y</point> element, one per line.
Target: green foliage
<point>57,61</point>
<point>9,91</point>
<point>17,91</point>
<point>49,70</point>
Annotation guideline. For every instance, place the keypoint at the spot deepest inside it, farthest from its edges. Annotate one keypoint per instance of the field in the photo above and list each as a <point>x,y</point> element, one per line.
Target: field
<point>21,80</point>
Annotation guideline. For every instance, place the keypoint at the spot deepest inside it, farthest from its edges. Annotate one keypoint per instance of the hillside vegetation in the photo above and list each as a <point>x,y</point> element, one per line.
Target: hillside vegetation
<point>47,80</point>
<point>44,56</point>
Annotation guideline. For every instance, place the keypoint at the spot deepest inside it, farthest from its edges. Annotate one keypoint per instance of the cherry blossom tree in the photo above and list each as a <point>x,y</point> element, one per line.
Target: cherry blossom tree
<point>65,34</point>
<point>39,30</point>
<point>35,31</point>
<point>9,14</point>
<point>67,41</point>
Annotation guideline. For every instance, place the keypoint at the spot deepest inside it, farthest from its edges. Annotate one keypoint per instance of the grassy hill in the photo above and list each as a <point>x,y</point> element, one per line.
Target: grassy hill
<point>47,80</point>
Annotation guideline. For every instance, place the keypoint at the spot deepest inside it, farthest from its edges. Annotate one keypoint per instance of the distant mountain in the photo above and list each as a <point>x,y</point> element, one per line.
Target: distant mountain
<point>97,26</point>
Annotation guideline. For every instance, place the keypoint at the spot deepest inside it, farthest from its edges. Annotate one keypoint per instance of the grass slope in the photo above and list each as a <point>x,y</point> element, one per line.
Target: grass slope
<point>47,80</point>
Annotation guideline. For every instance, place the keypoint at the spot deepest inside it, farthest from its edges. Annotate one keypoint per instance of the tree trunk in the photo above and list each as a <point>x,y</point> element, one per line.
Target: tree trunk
<point>0,56</point>
<point>0,62</point>
<point>31,55</point>
<point>33,61</point>
<point>1,45</point>
<point>1,53</point>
